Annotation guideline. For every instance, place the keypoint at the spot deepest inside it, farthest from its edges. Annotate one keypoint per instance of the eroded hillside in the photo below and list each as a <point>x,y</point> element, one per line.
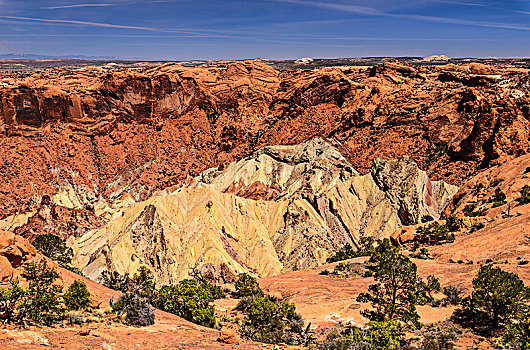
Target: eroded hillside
<point>97,137</point>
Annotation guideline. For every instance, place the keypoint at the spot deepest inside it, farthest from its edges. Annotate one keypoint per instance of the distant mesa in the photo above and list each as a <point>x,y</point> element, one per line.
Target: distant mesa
<point>436,58</point>
<point>304,61</point>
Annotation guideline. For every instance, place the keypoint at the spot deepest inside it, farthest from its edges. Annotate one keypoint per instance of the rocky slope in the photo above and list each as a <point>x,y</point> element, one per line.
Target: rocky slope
<point>169,331</point>
<point>97,136</point>
<point>283,208</point>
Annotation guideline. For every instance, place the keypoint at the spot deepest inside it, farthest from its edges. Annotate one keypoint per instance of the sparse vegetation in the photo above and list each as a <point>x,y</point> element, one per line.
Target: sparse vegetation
<point>191,301</point>
<point>345,270</point>
<point>497,299</point>
<point>56,249</point>
<point>39,303</point>
<point>398,289</point>
<point>434,233</point>
<point>454,223</point>
<point>469,210</point>
<point>498,199</point>
<point>247,286</point>
<point>437,337</point>
<point>366,248</point>
<point>270,320</point>
<point>525,195</point>
<point>77,296</point>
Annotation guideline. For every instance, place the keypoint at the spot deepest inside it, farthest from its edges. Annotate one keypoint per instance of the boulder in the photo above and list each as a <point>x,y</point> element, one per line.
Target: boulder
<point>15,249</point>
<point>229,336</point>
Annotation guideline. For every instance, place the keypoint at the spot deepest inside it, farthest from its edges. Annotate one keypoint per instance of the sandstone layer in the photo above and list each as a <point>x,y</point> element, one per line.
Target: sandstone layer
<point>96,136</point>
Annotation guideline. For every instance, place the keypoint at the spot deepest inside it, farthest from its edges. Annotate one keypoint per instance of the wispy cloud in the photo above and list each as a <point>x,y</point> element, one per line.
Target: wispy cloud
<point>86,5</point>
<point>75,22</point>
<point>363,10</point>
<point>102,4</point>
<point>473,4</point>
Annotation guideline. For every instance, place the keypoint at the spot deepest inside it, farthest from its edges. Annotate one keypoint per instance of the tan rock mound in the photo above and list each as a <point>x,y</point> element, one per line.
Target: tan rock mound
<point>309,204</point>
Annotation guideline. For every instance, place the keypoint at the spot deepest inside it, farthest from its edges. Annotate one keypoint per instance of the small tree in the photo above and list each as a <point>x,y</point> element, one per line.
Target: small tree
<point>116,281</point>
<point>139,294</point>
<point>366,247</point>
<point>399,289</point>
<point>247,286</point>
<point>271,321</point>
<point>54,248</point>
<point>497,298</point>
<point>386,334</point>
<point>517,334</point>
<point>434,233</point>
<point>144,281</point>
<point>191,301</point>
<point>77,297</point>
<point>10,300</point>
<point>42,304</point>
<point>454,223</point>
<point>137,310</point>
<point>525,195</point>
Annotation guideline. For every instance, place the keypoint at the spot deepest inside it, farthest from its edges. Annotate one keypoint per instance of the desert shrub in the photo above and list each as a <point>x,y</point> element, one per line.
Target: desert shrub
<point>478,189</point>
<point>422,254</point>
<point>270,321</point>
<point>136,309</point>
<point>346,269</point>
<point>438,338</point>
<point>366,247</point>
<point>426,218</point>
<point>434,233</point>
<point>142,282</point>
<point>498,198</point>
<point>498,204</point>
<point>517,334</point>
<point>42,302</point>
<point>75,318</point>
<point>247,286</point>
<point>55,248</point>
<point>191,301</point>
<point>77,297</point>
<point>476,227</point>
<point>469,210</point>
<point>383,335</point>
<point>138,295</point>
<point>426,288</point>
<point>497,298</point>
<point>39,303</point>
<point>453,295</point>
<point>398,289</point>
<point>116,281</point>
<point>11,298</point>
<point>454,223</point>
<point>525,195</point>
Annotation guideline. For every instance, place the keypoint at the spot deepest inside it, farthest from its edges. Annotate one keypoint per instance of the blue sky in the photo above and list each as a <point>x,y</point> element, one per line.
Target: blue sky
<point>275,29</point>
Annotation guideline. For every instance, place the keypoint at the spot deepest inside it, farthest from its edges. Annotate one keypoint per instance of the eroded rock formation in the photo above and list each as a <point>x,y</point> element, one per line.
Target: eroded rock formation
<point>283,208</point>
<point>125,134</point>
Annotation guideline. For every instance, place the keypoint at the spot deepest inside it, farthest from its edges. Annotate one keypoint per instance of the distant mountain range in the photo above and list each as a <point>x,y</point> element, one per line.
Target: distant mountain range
<point>25,56</point>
